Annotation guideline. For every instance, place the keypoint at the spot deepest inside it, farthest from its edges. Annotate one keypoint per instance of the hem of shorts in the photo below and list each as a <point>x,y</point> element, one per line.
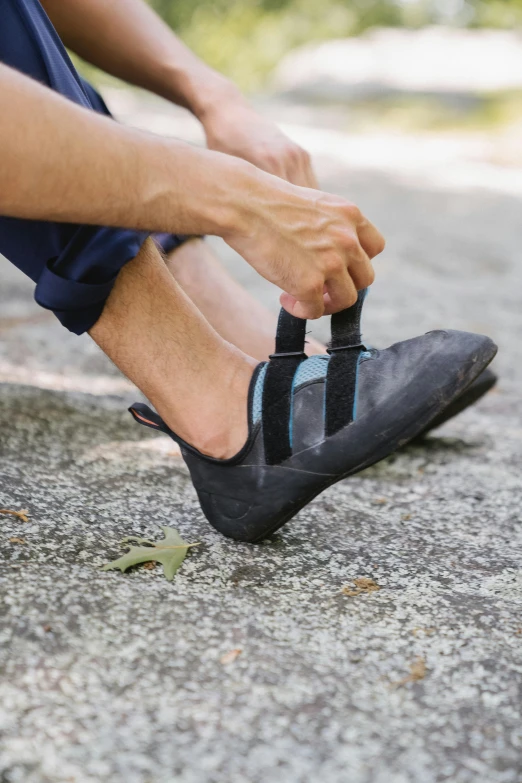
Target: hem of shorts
<point>78,305</point>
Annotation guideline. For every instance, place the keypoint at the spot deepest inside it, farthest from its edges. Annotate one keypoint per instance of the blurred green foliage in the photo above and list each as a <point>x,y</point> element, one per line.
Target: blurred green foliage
<point>246,38</point>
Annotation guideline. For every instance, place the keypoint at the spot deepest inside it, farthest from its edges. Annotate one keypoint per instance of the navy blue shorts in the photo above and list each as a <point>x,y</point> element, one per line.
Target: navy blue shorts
<point>74,267</point>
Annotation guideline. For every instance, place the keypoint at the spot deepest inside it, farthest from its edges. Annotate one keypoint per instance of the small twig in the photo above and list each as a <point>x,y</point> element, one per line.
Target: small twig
<point>22,514</point>
<point>417,672</point>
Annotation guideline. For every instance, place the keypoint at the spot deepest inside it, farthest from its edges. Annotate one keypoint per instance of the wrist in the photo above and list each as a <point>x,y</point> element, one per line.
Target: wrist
<point>238,191</point>
<point>218,96</point>
<point>219,191</point>
<point>200,89</point>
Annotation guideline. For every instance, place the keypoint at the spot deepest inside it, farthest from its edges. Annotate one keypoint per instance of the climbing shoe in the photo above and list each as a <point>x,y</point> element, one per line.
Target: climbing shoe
<point>314,421</point>
<point>480,386</point>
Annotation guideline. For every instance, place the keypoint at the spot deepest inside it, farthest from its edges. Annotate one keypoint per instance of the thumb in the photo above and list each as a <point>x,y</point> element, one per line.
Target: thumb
<point>308,310</point>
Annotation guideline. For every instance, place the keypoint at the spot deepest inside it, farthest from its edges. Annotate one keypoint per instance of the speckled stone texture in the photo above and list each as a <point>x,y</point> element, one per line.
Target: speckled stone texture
<point>112,677</point>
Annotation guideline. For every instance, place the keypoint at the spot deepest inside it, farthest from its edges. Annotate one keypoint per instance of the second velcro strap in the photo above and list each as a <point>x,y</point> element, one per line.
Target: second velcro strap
<point>341,381</point>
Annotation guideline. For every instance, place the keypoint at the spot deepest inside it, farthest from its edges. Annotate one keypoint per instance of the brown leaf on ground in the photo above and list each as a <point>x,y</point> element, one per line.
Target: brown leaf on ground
<point>22,514</point>
<point>406,517</point>
<point>231,656</point>
<point>380,501</point>
<point>363,584</point>
<point>16,540</point>
<point>417,672</point>
<point>150,565</point>
<point>426,631</point>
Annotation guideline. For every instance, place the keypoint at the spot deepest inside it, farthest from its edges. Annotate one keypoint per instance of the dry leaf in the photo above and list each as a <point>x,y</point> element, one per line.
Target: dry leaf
<point>406,517</point>
<point>363,584</point>
<point>417,672</point>
<point>170,552</point>
<point>427,631</point>
<point>380,501</point>
<point>22,514</point>
<point>150,565</point>
<point>16,540</point>
<point>231,656</point>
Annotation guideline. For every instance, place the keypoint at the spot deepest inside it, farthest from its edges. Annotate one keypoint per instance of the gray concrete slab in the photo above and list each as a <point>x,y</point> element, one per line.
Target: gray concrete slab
<point>111,677</point>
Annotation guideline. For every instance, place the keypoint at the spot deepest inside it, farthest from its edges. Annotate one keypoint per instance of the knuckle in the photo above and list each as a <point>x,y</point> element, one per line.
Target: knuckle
<point>349,242</point>
<point>334,265</point>
<point>352,212</point>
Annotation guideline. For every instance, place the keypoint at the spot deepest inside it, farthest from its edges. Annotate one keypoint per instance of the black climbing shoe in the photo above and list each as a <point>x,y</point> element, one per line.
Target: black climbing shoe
<point>313,422</point>
<point>480,386</point>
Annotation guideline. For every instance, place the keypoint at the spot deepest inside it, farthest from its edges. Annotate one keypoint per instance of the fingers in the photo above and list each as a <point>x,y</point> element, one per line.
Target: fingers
<point>362,272</point>
<point>348,275</point>
<point>292,163</point>
<point>340,293</point>
<point>300,172</point>
<point>371,239</point>
<point>335,288</point>
<point>307,309</point>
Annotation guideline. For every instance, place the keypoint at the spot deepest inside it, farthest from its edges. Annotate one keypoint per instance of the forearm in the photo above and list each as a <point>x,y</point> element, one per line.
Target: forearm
<point>127,39</point>
<point>61,162</point>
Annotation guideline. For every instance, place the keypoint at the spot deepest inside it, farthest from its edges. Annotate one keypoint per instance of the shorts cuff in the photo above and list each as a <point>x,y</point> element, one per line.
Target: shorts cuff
<point>76,305</point>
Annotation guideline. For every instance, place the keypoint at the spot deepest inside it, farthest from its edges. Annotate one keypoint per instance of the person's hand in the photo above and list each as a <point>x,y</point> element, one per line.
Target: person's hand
<point>235,128</point>
<point>315,246</point>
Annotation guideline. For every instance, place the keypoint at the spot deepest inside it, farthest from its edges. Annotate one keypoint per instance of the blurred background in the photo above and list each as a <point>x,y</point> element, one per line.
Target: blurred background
<point>246,40</point>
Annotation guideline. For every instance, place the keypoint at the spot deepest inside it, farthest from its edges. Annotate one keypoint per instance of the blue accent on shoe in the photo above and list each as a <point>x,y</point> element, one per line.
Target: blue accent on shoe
<point>312,369</point>
<point>356,394</point>
<point>257,401</point>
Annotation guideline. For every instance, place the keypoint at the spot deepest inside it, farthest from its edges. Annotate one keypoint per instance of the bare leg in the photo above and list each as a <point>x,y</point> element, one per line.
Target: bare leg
<point>197,381</point>
<point>232,311</point>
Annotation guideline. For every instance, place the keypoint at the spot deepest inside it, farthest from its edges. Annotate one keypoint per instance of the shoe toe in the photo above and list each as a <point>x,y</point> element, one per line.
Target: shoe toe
<point>423,373</point>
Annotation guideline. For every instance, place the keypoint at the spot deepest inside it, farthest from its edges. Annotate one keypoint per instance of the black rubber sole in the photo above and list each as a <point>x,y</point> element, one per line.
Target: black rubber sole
<point>401,439</point>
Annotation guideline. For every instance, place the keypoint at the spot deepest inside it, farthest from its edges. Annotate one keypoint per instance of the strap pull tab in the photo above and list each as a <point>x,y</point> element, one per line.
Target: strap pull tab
<point>345,349</point>
<point>144,415</point>
<point>277,388</point>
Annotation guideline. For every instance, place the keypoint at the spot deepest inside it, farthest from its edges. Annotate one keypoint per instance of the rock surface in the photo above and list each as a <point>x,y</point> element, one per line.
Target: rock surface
<point>131,679</point>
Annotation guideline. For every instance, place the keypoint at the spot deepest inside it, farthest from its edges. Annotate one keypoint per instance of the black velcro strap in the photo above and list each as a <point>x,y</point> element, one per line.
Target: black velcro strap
<point>341,379</point>
<point>277,388</point>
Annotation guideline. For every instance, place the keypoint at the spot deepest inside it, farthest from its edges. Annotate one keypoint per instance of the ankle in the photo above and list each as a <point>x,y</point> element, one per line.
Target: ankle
<point>216,420</point>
